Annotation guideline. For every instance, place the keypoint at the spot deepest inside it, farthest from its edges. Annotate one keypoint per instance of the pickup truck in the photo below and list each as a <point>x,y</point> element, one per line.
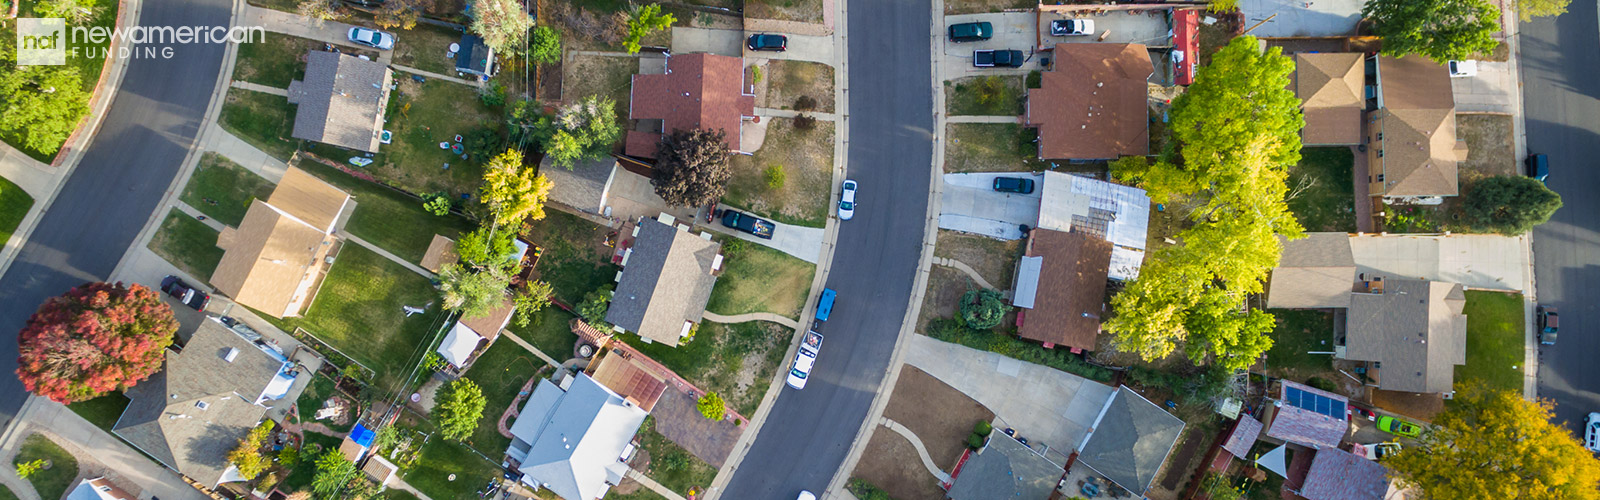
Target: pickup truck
<point>990,58</point>
<point>734,219</point>
<point>804,359</point>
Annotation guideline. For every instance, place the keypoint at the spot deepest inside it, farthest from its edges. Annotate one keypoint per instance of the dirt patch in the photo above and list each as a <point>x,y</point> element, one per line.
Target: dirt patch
<point>784,84</point>
<point>991,147</point>
<point>805,11</point>
<point>954,7</point>
<point>945,286</point>
<point>805,158</point>
<point>1183,464</point>
<point>608,76</point>
<point>995,260</point>
<point>891,463</point>
<point>585,29</point>
<point>1415,405</point>
<point>938,414</point>
<point>1490,149</point>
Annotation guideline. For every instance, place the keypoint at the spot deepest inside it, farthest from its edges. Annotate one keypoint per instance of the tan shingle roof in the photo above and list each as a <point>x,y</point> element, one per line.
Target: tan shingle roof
<point>270,261</point>
<point>441,251</point>
<point>1418,125</point>
<point>1313,272</point>
<point>1092,103</point>
<point>1331,88</point>
<point>1415,328</point>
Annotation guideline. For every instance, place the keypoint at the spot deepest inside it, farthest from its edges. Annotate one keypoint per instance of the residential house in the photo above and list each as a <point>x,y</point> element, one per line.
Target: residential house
<point>1337,474</point>
<point>698,91</point>
<point>1061,287</point>
<point>1112,212</point>
<point>1242,436</point>
<point>666,280</point>
<point>1005,468</point>
<point>1307,416</point>
<point>573,438</point>
<point>469,333</point>
<point>1091,105</point>
<point>1412,149</point>
<point>585,187</point>
<point>475,58</point>
<point>275,260</point>
<point>1315,272</point>
<point>1413,331</point>
<point>341,101</point>
<point>207,397</point>
<point>98,488</point>
<point>1130,440</point>
<point>1332,90</point>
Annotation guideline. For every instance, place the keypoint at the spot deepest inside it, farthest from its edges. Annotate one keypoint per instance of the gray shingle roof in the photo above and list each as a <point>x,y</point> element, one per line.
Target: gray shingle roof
<point>584,186</point>
<point>1131,440</point>
<point>1313,272</point>
<point>569,441</point>
<point>341,100</point>
<point>1415,328</point>
<point>666,282</point>
<point>1005,469</point>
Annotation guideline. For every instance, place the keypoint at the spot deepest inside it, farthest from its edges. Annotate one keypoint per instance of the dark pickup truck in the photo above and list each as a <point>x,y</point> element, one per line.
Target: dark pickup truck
<point>747,223</point>
<point>992,58</point>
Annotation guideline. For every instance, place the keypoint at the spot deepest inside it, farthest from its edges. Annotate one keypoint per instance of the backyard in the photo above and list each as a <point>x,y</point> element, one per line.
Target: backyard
<point>263,120</point>
<point>1324,194</point>
<point>736,361</point>
<point>500,372</point>
<point>14,206</point>
<point>991,95</point>
<point>275,61</point>
<point>605,76</point>
<point>800,158</point>
<point>424,47</point>
<point>83,58</point>
<point>387,218</point>
<point>787,82</point>
<point>222,189</point>
<point>300,475</point>
<point>757,278</point>
<point>318,391</point>
<point>575,259</point>
<point>1297,334</point>
<point>54,481</point>
<point>549,331</point>
<point>103,411</point>
<point>1495,340</point>
<point>187,243</point>
<point>991,147</point>
<point>414,161</point>
<point>443,459</point>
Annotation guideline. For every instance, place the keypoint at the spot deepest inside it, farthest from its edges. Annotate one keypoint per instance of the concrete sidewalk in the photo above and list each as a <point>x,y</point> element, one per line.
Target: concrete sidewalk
<point>219,141</point>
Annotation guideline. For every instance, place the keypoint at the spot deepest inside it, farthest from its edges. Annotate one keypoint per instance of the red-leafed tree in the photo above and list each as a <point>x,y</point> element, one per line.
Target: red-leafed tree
<point>99,337</point>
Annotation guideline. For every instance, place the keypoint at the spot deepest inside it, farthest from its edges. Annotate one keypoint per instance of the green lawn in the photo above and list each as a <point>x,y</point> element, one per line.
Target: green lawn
<point>1297,333</point>
<point>55,481</point>
<point>420,119</point>
<point>500,372</point>
<point>1327,202</point>
<point>549,332</point>
<point>263,120</point>
<point>14,205</point>
<point>757,278</point>
<point>390,219</point>
<point>991,147</point>
<point>991,95</point>
<point>103,411</point>
<point>320,389</point>
<point>716,358</point>
<point>805,156</point>
<point>441,458</point>
<point>275,61</point>
<point>88,58</point>
<point>222,189</point>
<point>187,243</point>
<point>424,47</point>
<point>6,494</point>
<point>300,476</point>
<point>1495,340</point>
<point>670,464</point>
<point>575,261</point>
<point>398,494</point>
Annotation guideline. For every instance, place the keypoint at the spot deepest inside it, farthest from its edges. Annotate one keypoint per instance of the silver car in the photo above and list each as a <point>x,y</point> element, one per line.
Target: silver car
<point>371,38</point>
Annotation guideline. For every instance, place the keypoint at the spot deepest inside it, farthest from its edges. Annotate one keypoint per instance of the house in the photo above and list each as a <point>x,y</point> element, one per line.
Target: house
<point>1332,90</point>
<point>1005,468</point>
<point>573,438</point>
<point>1337,474</point>
<point>1112,212</point>
<point>1308,416</point>
<point>698,91</point>
<point>341,101</point>
<point>666,280</point>
<point>585,187</point>
<point>357,443</point>
<point>98,488</point>
<point>475,58</point>
<point>275,260</point>
<point>1130,440</point>
<point>468,333</point>
<point>1413,331</point>
<point>1412,149</point>
<point>1061,288</point>
<point>1314,272</point>
<point>207,396</point>
<point>1242,436</point>
<point>1091,105</point>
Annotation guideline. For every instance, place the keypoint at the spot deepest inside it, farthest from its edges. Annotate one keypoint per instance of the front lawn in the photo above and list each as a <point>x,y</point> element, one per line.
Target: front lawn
<point>991,147</point>
<point>500,372</point>
<point>222,189</point>
<point>422,116</point>
<point>1496,340</point>
<point>548,331</point>
<point>103,411</point>
<point>992,95</point>
<point>735,361</point>
<point>756,278</point>
<point>670,464</point>
<point>263,120</point>
<point>53,482</point>
<point>441,458</point>
<point>14,206</point>
<point>390,219</point>
<point>1298,332</point>
<point>187,243</point>
<point>805,11</point>
<point>6,494</point>
<point>789,81</point>
<point>424,47</point>
<point>575,260</point>
<point>275,61</point>
<point>1326,199</point>
<point>1490,148</point>
<point>805,159</point>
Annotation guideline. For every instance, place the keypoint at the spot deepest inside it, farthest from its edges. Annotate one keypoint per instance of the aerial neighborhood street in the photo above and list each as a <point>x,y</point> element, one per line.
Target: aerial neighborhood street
<point>798,249</point>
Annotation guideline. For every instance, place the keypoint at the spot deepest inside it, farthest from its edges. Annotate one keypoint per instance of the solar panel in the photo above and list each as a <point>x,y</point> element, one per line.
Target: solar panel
<point>1314,402</point>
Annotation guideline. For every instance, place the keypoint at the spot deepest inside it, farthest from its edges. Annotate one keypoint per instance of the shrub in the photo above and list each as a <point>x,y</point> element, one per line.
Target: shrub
<point>288,457</point>
<point>436,204</point>
<point>1322,383</point>
<point>1223,6</point>
<point>594,306</point>
<point>864,490</point>
<point>775,176</point>
<point>1036,79</point>
<point>805,122</point>
<point>974,441</point>
<point>805,103</point>
<point>1508,205</point>
<point>983,308</point>
<point>982,428</point>
<point>712,406</point>
<point>755,75</point>
<point>989,340</point>
<point>26,470</point>
<point>492,95</point>
<point>674,460</point>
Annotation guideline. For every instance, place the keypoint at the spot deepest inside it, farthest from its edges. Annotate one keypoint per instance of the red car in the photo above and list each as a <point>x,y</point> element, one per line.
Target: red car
<point>1354,410</point>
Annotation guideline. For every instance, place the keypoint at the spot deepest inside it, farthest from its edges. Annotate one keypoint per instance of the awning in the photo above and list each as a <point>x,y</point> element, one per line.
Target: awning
<point>459,344</point>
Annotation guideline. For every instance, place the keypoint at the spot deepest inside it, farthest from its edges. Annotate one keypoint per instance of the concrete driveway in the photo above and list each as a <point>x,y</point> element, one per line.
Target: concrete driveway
<point>731,43</point>
<point>1474,260</point>
<point>1012,30</point>
<point>970,204</point>
<point>1492,90</point>
<point>802,242</point>
<point>1116,26</point>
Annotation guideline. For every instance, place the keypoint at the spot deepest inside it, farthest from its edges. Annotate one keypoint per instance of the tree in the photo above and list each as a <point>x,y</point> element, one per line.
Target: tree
<point>594,306</point>
<point>1490,444</point>
<point>983,308</point>
<point>503,24</point>
<point>692,167</point>
<point>546,46</point>
<point>333,473</point>
<point>643,21</point>
<point>399,14</point>
<point>42,104</point>
<point>1217,487</point>
<point>473,292</point>
<point>1441,30</point>
<point>98,337</point>
<point>1508,205</point>
<point>712,406</point>
<point>247,456</point>
<point>74,11</point>
<point>486,247</point>
<point>459,410</point>
<point>583,130</point>
<point>1528,9</point>
<point>26,470</point>
<point>534,297</point>
<point>326,10</point>
<point>514,193</point>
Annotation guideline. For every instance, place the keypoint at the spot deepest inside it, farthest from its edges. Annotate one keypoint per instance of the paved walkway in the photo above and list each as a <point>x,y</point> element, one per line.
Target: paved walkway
<point>195,212</point>
<point>255,87</point>
<point>653,485</point>
<point>400,484</point>
<point>983,119</point>
<point>31,175</point>
<point>802,242</point>
<point>963,267</point>
<point>98,453</point>
<point>755,316</point>
<point>922,451</point>
<point>222,142</point>
<point>789,113</point>
<point>440,76</point>
<point>333,32</point>
<point>525,345</point>
<point>386,254</point>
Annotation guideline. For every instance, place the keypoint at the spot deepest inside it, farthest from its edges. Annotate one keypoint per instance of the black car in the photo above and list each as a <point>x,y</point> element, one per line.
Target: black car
<point>971,32</point>
<point>1001,58</point>
<point>1549,322</point>
<point>748,223</point>
<point>766,42</point>
<point>186,294</point>
<point>1013,185</point>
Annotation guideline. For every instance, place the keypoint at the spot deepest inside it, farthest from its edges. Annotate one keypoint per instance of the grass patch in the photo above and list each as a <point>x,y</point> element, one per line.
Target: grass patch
<point>424,47</point>
<point>500,372</point>
<point>575,258</point>
<point>398,494</point>
<point>275,61</point>
<point>612,77</point>
<point>788,81</point>
<point>53,482</point>
<point>735,361</point>
<point>1298,333</point>
<point>187,243</point>
<point>421,116</point>
<point>222,189</point>
<point>390,219</point>
<point>1326,195</point>
<point>548,331</point>
<point>805,11</point>
<point>88,67</point>
<point>670,464</point>
<point>300,476</point>
<point>263,120</point>
<point>1496,341</point>
<point>441,458</point>
<point>1009,345</point>
<point>14,206</point>
<point>992,95</point>
<point>1490,149</point>
<point>103,411</point>
<point>806,158</point>
<point>760,279</point>
<point>6,494</point>
<point>319,390</point>
<point>991,147</point>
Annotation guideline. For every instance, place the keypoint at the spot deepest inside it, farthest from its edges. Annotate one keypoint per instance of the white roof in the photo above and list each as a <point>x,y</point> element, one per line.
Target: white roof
<point>1027,285</point>
<point>1113,212</point>
<point>459,344</point>
<point>574,438</point>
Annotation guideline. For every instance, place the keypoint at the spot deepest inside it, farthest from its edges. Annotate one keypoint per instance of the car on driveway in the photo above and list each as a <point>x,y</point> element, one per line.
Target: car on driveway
<point>371,38</point>
<point>847,200</point>
<point>175,287</point>
<point>734,219</point>
<point>997,58</point>
<point>1398,427</point>
<point>767,42</point>
<point>1549,322</point>
<point>1354,410</point>
<point>1072,27</point>
<point>1591,433</point>
<point>1017,185</point>
<point>971,32</point>
<point>1463,69</point>
<point>1538,166</point>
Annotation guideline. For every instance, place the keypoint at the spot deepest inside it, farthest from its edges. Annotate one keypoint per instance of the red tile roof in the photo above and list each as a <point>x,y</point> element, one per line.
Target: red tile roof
<point>697,91</point>
<point>1091,105</point>
<point>1186,35</point>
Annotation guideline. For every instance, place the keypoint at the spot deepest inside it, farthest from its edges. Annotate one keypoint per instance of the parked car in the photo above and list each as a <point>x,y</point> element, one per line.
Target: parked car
<point>1375,451</point>
<point>971,32</point>
<point>1017,185</point>
<point>1462,69</point>
<point>186,294</point>
<point>804,359</point>
<point>1591,433</point>
<point>1538,166</point>
<point>767,42</point>
<point>847,200</point>
<point>1354,410</point>
<point>1001,58</point>
<point>806,495</point>
<point>1072,27</point>
<point>1549,322</point>
<point>735,219</point>
<point>371,38</point>
<point>1398,427</point>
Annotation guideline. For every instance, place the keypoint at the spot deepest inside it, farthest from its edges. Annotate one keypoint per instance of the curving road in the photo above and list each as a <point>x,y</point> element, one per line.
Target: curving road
<point>149,128</point>
<point>809,432</point>
<point>1560,86</point>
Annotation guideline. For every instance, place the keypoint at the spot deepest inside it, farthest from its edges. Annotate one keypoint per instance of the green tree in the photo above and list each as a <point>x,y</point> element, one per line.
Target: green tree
<point>486,247</point>
<point>26,470</point>
<point>1217,487</point>
<point>503,24</point>
<point>459,410</point>
<point>247,456</point>
<point>534,297</point>
<point>583,130</point>
<point>712,406</point>
<point>333,473</point>
<point>326,10</point>
<point>42,104</point>
<point>983,308</point>
<point>436,204</point>
<point>1508,205</point>
<point>1491,445</point>
<point>74,11</point>
<point>513,192</point>
<point>692,167</point>
<point>775,176</point>
<point>1441,30</point>
<point>594,306</point>
<point>473,292</point>
<point>1528,9</point>
<point>546,46</point>
<point>645,20</point>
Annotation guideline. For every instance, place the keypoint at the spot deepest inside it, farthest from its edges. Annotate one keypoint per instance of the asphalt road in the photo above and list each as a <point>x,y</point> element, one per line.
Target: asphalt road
<point>1561,79</point>
<point>147,131</point>
<point>809,432</point>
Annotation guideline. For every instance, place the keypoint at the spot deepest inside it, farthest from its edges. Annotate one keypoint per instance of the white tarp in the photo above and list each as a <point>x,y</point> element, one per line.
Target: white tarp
<point>1275,461</point>
<point>459,344</point>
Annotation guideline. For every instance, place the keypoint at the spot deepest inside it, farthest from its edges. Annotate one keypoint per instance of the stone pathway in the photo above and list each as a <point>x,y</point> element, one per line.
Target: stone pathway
<point>515,408</point>
<point>922,451</point>
<point>963,267</point>
<point>983,119</point>
<point>253,87</point>
<point>653,485</point>
<point>755,316</point>
<point>440,76</point>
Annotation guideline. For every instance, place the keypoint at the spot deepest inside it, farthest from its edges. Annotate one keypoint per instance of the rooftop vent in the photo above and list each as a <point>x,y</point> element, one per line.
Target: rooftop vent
<point>233,352</point>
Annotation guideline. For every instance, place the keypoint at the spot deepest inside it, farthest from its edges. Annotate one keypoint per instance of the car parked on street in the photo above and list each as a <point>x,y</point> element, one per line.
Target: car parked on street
<point>371,38</point>
<point>177,289</point>
<point>1549,322</point>
<point>1398,427</point>
<point>971,32</point>
<point>734,219</point>
<point>1072,27</point>
<point>989,58</point>
<point>767,42</point>
<point>1538,166</point>
<point>847,200</point>
<point>1017,185</point>
<point>1591,433</point>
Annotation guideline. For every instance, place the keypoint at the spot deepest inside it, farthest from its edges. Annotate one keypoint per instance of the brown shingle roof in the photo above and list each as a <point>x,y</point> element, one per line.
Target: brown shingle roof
<point>1072,285</point>
<point>490,324</point>
<point>630,379</point>
<point>441,251</point>
<point>1091,104</point>
<point>270,261</point>
<point>1417,125</point>
<point>697,91</point>
<point>1331,87</point>
<point>1313,272</point>
<point>1415,328</point>
<point>666,282</point>
<point>341,100</point>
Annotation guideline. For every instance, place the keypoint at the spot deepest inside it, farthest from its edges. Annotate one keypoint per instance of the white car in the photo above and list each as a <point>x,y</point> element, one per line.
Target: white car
<point>1072,27</point>
<point>806,495</point>
<point>1463,69</point>
<point>847,201</point>
<point>1591,433</point>
<point>803,361</point>
<point>371,38</point>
